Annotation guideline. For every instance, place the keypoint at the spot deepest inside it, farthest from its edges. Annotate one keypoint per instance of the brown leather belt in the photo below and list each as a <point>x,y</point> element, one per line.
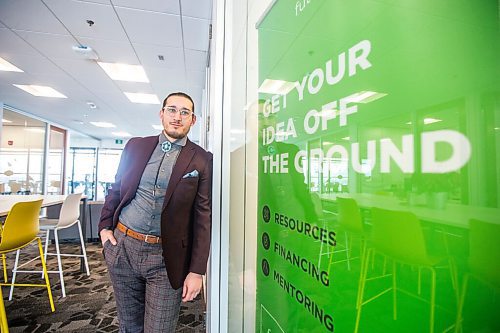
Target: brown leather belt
<point>150,239</point>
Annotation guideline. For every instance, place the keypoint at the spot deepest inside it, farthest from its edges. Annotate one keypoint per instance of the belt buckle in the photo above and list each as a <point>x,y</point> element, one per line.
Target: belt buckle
<point>146,239</point>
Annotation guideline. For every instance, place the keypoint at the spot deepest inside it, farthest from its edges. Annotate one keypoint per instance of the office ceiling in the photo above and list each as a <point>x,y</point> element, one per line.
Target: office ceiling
<point>37,36</point>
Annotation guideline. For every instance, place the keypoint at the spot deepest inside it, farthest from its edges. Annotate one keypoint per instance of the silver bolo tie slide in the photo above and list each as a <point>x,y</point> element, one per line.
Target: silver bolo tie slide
<point>166,146</point>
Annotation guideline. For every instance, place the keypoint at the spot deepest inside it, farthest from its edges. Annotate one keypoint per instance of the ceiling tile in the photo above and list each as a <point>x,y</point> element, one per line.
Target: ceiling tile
<point>36,65</point>
<point>50,45</point>
<point>112,51</point>
<point>196,60</point>
<point>104,2</point>
<point>12,44</point>
<point>29,15</point>
<point>135,87</point>
<point>196,8</point>
<point>196,78</point>
<point>165,80</point>
<point>148,55</point>
<point>74,15</point>
<point>165,6</point>
<point>90,75</point>
<point>195,33</point>
<point>140,26</point>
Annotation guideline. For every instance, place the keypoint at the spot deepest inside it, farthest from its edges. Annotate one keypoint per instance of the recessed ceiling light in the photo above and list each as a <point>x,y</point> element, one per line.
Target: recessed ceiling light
<point>124,72</point>
<point>121,134</point>
<point>6,121</point>
<point>142,98</point>
<point>431,120</point>
<point>276,87</point>
<point>102,124</point>
<point>40,91</point>
<point>8,67</point>
<point>427,121</point>
<point>158,127</point>
<point>346,138</point>
<point>365,96</point>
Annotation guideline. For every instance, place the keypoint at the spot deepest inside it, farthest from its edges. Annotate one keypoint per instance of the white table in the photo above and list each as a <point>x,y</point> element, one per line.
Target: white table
<point>455,215</point>
<point>7,201</point>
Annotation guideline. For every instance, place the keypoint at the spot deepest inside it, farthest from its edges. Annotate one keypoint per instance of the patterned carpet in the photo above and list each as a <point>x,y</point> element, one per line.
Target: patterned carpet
<point>89,305</point>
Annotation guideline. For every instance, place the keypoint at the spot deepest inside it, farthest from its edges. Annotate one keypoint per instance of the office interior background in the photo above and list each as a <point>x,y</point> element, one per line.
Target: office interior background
<point>394,105</point>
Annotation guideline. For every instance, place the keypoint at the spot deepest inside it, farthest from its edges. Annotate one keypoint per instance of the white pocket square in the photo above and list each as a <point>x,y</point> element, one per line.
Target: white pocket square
<point>192,174</point>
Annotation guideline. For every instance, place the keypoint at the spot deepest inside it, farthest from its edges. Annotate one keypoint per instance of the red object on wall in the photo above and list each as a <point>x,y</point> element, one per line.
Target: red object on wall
<point>10,142</point>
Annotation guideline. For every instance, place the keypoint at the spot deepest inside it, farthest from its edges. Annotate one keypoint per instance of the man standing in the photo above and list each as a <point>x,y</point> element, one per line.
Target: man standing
<point>156,221</point>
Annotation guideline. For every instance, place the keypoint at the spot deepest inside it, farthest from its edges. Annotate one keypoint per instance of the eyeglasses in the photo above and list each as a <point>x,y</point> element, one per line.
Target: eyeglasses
<point>172,111</point>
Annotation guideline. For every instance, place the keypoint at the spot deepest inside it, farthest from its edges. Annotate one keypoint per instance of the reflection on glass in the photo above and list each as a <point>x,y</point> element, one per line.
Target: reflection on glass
<point>56,160</point>
<point>21,154</point>
<point>395,107</point>
<point>81,171</point>
<point>108,160</point>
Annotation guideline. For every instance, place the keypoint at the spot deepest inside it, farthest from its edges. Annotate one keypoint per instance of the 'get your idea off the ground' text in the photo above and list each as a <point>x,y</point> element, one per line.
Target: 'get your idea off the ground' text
<point>356,60</point>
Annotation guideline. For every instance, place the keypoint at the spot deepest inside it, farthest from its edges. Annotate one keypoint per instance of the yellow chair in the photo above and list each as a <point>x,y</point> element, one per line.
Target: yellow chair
<point>483,266</point>
<point>20,229</point>
<point>398,236</point>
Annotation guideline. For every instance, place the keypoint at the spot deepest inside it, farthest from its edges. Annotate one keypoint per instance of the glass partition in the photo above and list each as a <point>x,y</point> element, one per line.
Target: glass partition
<point>56,160</point>
<point>21,154</point>
<point>108,160</point>
<point>376,126</point>
<point>81,171</point>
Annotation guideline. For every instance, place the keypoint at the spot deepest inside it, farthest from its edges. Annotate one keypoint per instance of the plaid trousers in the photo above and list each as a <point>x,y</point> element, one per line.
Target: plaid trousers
<point>145,300</point>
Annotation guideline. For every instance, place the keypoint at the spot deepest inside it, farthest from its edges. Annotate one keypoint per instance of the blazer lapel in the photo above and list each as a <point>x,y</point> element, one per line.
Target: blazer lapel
<point>180,167</point>
<point>141,157</point>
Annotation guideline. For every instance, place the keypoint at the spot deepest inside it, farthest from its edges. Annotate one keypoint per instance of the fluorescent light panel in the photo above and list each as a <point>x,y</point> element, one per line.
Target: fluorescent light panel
<point>124,72</point>
<point>40,91</point>
<point>427,121</point>
<point>431,120</point>
<point>121,134</point>
<point>6,121</point>
<point>102,124</point>
<point>365,96</point>
<point>142,98</point>
<point>158,127</point>
<point>276,87</point>
<point>8,67</point>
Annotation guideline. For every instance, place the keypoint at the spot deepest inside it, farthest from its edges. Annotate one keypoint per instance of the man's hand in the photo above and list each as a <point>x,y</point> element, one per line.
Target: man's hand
<point>192,286</point>
<point>107,235</point>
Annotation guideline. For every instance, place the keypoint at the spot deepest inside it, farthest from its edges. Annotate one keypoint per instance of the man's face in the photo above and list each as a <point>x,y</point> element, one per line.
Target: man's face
<point>177,124</point>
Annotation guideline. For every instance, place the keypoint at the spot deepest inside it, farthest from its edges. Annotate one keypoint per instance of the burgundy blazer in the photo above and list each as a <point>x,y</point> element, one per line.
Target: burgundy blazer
<point>186,217</point>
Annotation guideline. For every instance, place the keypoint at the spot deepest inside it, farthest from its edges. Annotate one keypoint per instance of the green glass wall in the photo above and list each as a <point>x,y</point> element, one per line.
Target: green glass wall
<point>378,166</point>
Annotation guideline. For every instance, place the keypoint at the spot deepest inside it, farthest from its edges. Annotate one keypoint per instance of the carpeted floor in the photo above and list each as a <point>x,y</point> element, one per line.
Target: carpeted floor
<point>89,305</point>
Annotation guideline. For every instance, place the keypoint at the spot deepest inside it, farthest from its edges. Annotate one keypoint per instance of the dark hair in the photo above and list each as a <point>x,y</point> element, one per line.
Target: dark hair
<point>179,94</point>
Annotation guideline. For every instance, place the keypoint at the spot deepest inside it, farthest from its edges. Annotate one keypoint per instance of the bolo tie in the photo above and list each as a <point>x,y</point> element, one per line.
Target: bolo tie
<point>166,146</point>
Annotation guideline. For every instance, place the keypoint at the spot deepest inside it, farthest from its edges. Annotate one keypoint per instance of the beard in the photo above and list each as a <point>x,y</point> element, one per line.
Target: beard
<point>176,134</point>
